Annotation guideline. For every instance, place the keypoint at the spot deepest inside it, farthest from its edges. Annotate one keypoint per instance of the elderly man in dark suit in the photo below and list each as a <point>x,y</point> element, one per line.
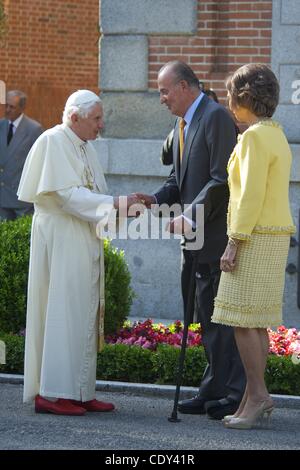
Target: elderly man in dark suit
<point>17,135</point>
<point>199,176</point>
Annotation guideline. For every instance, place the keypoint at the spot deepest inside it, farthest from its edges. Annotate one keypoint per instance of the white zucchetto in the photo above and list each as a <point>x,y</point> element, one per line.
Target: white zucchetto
<point>81,97</point>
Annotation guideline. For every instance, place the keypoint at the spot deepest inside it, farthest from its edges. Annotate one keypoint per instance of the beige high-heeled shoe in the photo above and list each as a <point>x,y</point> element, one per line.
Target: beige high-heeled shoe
<point>268,410</point>
<point>228,418</point>
<point>239,410</point>
<point>264,409</point>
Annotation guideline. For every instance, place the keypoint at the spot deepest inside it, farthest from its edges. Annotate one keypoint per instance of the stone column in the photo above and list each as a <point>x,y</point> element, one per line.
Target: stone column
<point>286,65</point>
<point>135,124</point>
<point>132,111</point>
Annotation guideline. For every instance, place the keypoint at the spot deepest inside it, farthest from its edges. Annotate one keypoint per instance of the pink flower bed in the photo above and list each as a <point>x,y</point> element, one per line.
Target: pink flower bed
<point>283,342</point>
<point>148,335</point>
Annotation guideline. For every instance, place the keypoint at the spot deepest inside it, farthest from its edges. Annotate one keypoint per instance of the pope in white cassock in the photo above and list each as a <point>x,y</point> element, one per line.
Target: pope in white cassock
<point>62,176</point>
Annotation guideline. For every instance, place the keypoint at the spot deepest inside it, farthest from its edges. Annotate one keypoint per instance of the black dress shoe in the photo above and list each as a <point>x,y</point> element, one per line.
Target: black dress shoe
<point>217,409</point>
<point>194,406</point>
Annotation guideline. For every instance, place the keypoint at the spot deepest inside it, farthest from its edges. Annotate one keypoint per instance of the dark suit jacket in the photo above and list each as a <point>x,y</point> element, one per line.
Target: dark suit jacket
<point>167,150</point>
<point>12,159</point>
<point>202,176</point>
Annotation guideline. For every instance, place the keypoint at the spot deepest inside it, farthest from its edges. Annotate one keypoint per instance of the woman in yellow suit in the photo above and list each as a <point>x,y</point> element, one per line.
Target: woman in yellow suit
<point>259,227</point>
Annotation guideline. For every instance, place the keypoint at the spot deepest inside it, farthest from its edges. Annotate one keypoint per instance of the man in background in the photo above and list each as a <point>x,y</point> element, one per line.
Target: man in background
<point>17,135</point>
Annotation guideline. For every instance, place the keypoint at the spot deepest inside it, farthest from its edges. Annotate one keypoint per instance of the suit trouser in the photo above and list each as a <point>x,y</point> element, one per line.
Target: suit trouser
<point>12,214</point>
<point>224,375</point>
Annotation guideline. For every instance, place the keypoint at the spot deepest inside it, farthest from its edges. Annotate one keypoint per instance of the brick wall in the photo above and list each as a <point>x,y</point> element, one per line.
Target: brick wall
<point>51,50</point>
<point>51,47</point>
<point>229,34</point>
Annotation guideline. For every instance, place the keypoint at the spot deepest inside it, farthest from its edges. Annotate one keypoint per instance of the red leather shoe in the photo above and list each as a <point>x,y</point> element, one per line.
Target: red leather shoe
<point>59,407</point>
<point>94,405</point>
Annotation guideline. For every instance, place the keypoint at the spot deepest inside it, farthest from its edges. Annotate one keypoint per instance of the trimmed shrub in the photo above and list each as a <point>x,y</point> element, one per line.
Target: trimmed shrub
<point>165,364</point>
<point>282,376</point>
<point>14,345</point>
<point>121,362</point>
<point>118,293</point>
<point>125,363</point>
<point>14,262</point>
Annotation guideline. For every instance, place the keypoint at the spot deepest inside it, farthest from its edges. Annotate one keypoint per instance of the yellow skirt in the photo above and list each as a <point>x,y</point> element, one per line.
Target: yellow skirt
<point>251,295</point>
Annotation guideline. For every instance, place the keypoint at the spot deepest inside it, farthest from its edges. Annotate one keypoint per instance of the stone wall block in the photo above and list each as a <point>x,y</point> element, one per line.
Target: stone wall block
<point>124,63</point>
<point>149,16</point>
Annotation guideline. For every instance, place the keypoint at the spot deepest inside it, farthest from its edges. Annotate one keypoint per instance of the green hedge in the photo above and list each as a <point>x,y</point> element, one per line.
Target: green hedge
<point>121,362</point>
<point>14,262</point>
<point>14,346</point>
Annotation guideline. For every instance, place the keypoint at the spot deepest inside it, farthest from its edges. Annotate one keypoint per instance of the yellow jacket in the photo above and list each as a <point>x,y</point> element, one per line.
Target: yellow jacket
<point>259,171</point>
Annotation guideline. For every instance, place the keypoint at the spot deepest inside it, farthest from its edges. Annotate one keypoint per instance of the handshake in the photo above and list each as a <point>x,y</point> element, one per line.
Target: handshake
<point>134,205</point>
<point>124,203</point>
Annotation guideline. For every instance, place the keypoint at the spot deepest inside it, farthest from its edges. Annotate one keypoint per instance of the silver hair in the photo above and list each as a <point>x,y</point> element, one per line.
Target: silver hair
<point>21,95</point>
<point>81,110</point>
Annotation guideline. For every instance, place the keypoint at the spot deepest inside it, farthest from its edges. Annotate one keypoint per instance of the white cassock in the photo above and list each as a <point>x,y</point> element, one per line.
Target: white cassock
<point>63,177</point>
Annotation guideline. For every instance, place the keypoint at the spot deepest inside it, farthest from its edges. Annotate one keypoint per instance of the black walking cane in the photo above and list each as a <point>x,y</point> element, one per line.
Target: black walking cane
<point>189,314</point>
